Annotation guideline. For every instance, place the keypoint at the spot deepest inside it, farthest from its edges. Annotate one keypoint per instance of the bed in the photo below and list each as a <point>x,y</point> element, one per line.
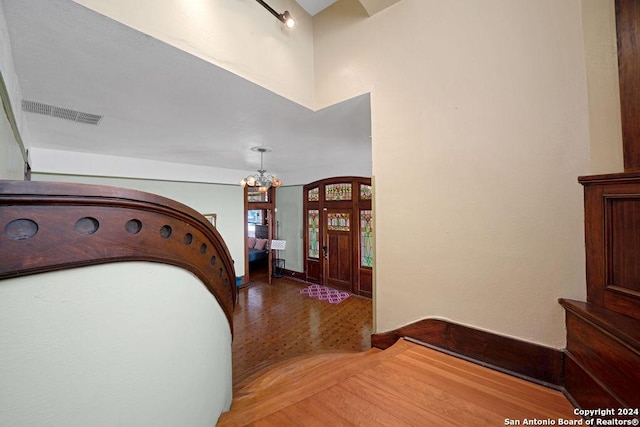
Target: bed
<point>258,246</point>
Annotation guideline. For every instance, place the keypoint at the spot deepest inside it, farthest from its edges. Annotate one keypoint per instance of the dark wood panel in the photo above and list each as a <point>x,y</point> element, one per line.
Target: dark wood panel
<point>339,261</point>
<point>594,242</point>
<point>537,362</point>
<point>604,358</point>
<point>628,33</point>
<point>609,178</point>
<point>623,245</point>
<point>313,270</point>
<point>606,345</point>
<point>583,390</point>
<point>627,329</point>
<point>54,226</point>
<point>366,282</point>
<point>612,222</point>
<point>621,300</point>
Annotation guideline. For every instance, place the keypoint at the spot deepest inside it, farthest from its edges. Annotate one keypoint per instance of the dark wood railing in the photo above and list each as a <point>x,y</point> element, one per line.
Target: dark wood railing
<point>54,226</point>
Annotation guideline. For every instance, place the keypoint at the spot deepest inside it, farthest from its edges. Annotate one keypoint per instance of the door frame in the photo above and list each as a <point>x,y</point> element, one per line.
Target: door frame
<point>269,207</point>
<point>317,196</point>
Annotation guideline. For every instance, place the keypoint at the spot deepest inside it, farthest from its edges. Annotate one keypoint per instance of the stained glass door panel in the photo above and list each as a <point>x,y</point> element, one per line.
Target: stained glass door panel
<point>312,251</point>
<point>337,192</point>
<point>365,192</point>
<point>313,221</point>
<point>339,221</point>
<point>366,238</point>
<point>313,195</point>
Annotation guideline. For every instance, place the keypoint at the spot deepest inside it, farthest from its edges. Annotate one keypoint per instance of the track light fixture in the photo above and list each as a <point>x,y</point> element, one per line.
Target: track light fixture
<point>285,17</point>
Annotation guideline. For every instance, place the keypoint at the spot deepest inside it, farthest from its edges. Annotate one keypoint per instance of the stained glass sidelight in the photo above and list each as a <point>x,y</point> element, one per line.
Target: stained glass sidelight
<point>366,238</point>
<point>365,192</point>
<point>253,195</point>
<point>313,230</point>
<point>313,195</point>
<point>334,192</point>
<point>338,221</point>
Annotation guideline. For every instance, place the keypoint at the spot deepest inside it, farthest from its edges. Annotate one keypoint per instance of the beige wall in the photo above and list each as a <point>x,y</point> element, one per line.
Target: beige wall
<point>239,36</point>
<point>480,129</point>
<point>605,128</point>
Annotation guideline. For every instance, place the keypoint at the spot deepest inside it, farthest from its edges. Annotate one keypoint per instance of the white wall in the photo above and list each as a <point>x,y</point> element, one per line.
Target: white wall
<point>11,162</point>
<point>224,200</point>
<point>341,167</point>
<point>480,129</point>
<point>289,217</point>
<point>47,161</point>
<point>11,159</point>
<point>78,348</point>
<point>239,36</point>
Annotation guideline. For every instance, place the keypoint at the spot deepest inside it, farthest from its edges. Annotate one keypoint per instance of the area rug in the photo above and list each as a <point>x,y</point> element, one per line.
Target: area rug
<point>323,293</point>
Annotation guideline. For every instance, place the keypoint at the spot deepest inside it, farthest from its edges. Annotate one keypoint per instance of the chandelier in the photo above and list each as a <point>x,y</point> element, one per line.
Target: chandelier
<point>261,181</point>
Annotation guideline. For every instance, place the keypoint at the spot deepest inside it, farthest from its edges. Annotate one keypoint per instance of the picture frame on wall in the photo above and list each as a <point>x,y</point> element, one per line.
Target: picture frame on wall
<point>211,218</point>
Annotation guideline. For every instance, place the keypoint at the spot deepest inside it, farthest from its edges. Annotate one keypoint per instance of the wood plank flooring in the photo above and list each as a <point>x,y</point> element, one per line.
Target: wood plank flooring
<point>405,385</point>
<point>302,362</point>
<point>273,323</point>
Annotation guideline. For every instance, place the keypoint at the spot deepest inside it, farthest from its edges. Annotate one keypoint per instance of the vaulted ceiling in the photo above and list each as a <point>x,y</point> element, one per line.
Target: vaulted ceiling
<point>161,103</point>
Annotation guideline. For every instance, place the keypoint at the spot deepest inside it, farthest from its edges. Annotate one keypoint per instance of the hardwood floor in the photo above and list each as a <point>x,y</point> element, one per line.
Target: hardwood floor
<point>405,385</point>
<point>274,322</point>
<point>321,371</point>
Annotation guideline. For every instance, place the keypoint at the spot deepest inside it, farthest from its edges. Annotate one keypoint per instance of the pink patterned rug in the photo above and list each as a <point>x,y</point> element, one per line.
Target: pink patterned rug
<point>323,293</point>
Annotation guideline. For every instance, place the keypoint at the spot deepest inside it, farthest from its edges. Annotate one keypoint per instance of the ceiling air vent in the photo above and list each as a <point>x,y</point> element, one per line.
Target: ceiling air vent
<point>59,112</point>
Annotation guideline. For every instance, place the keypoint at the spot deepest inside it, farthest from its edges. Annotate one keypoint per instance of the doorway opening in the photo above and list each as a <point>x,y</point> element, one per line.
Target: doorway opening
<point>259,218</point>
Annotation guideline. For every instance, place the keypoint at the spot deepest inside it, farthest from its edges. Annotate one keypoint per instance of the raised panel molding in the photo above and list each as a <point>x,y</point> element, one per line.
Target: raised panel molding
<point>622,256</point>
<point>612,247</point>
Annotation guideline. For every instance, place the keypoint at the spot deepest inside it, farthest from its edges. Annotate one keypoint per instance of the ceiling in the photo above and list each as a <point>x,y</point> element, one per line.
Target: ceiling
<point>315,6</point>
<point>161,103</point>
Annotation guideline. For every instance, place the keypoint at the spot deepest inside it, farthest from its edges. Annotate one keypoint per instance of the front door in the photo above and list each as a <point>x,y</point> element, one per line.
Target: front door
<point>338,249</point>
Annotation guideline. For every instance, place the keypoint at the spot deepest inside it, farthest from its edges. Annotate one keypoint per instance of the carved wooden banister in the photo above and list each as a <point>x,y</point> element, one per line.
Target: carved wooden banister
<point>53,226</point>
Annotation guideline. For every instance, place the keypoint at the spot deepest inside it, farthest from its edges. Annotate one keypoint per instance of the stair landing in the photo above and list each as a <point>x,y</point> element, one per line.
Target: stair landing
<point>405,385</point>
